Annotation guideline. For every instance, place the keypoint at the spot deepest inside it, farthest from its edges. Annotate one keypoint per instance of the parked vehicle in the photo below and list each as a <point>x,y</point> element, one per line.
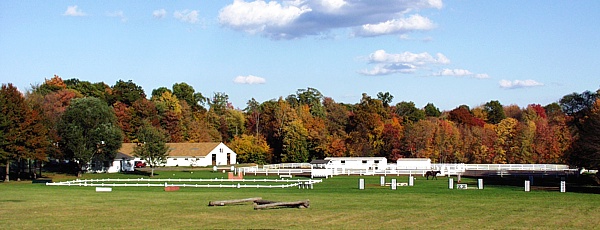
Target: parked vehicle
<point>140,164</point>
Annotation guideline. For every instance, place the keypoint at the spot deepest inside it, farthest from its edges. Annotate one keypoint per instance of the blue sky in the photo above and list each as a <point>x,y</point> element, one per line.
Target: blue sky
<point>445,52</point>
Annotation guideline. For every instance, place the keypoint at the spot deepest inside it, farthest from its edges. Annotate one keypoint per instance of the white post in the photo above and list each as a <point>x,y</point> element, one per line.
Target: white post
<point>382,181</point>
<point>411,181</point>
<point>480,183</point>
<point>361,183</point>
<point>527,186</point>
<point>451,183</point>
<point>563,186</point>
<point>393,185</point>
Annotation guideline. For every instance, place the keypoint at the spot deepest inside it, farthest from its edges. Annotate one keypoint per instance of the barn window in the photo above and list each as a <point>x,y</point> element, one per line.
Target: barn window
<point>343,162</point>
<point>376,161</point>
<point>364,161</point>
<point>186,159</point>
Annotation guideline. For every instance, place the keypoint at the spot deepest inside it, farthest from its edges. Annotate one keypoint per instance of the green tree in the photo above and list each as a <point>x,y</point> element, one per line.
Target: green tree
<point>98,90</point>
<point>495,112</point>
<point>295,145</point>
<point>386,98</point>
<point>158,92</point>
<point>153,146</point>
<point>431,110</point>
<point>185,92</point>
<point>311,97</point>
<point>219,103</point>
<point>127,92</point>
<point>409,112</point>
<point>89,132</point>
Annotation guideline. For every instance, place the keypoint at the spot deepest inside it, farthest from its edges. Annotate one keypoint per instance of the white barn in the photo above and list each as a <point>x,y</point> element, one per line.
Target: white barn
<point>191,154</point>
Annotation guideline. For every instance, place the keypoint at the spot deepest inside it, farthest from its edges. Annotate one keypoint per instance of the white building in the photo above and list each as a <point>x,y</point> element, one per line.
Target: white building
<point>360,163</point>
<point>413,163</point>
<point>180,154</point>
<point>121,163</point>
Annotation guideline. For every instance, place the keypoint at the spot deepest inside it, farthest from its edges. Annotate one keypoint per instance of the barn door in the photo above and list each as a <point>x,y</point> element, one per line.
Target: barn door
<point>214,159</point>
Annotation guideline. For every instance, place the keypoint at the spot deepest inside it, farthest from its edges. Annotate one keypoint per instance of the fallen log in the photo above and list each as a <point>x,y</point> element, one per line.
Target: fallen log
<point>265,201</point>
<point>296,204</point>
<point>225,202</point>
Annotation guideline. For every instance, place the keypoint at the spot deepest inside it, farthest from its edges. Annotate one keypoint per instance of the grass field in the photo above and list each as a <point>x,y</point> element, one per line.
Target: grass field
<point>337,203</point>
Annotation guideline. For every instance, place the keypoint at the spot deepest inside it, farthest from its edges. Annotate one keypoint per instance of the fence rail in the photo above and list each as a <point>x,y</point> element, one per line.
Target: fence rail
<point>288,183</point>
<point>393,169</point>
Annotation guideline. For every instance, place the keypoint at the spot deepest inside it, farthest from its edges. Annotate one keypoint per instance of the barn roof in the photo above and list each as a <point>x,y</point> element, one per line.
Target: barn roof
<point>317,161</point>
<point>123,156</point>
<point>178,149</point>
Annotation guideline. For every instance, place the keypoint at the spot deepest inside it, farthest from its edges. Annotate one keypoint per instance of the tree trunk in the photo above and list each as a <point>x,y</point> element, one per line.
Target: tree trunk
<point>152,171</point>
<point>79,170</point>
<point>6,178</point>
<point>19,169</point>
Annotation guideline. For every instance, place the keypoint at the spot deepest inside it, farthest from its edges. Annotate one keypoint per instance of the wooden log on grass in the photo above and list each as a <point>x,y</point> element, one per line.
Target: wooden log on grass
<point>265,201</point>
<point>225,202</point>
<point>296,204</point>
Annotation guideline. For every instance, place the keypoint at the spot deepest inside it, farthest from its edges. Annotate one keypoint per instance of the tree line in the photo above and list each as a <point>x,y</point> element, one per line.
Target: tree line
<point>49,120</point>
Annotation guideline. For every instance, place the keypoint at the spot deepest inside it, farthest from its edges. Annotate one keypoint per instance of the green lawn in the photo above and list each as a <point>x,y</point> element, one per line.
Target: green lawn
<point>337,203</point>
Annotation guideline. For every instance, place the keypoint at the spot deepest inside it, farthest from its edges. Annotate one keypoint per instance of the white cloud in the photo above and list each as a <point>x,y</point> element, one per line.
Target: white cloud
<point>506,84</point>
<point>482,76</point>
<point>406,62</point>
<point>159,13</point>
<point>189,16</point>
<point>118,14</point>
<point>461,73</point>
<point>408,57</point>
<point>259,16</point>
<point>74,11</point>
<point>332,5</point>
<point>396,26</point>
<point>288,19</point>
<point>250,79</point>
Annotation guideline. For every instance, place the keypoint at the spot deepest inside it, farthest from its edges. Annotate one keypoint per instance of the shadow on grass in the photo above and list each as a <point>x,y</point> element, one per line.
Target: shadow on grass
<point>578,184</point>
<point>140,172</point>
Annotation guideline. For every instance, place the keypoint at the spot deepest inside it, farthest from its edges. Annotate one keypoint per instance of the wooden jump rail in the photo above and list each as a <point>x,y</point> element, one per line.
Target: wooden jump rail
<point>259,203</point>
<point>272,204</point>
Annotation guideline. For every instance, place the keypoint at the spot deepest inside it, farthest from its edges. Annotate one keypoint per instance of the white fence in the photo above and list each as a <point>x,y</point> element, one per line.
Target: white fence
<point>393,169</point>
<point>287,183</point>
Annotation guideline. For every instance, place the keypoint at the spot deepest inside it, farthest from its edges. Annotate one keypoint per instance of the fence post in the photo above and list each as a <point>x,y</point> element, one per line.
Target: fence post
<point>382,181</point>
<point>411,180</point>
<point>393,185</point>
<point>451,183</point>
<point>361,184</point>
<point>563,186</point>
<point>480,183</point>
<point>527,186</point>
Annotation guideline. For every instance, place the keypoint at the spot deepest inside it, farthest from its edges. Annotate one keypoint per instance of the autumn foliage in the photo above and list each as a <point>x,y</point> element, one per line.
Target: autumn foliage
<point>307,125</point>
